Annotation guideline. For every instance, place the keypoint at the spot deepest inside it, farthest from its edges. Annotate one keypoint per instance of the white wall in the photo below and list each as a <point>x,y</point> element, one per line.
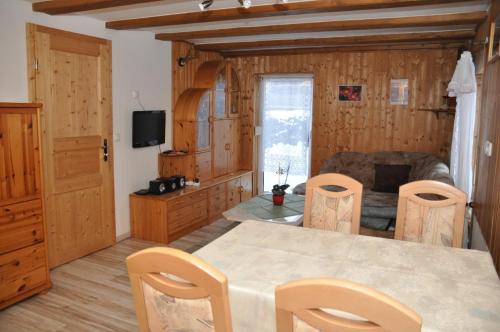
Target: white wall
<point>139,63</point>
<point>477,240</point>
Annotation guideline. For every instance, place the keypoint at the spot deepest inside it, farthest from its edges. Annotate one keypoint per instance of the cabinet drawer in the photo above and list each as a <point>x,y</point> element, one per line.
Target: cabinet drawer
<point>187,200</point>
<point>19,262</point>
<point>217,200</point>
<point>19,211</point>
<point>21,284</point>
<point>187,216</point>
<point>20,225</point>
<point>217,189</point>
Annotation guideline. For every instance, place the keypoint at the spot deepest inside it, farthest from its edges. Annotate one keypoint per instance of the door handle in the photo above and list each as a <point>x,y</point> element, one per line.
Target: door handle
<point>105,150</point>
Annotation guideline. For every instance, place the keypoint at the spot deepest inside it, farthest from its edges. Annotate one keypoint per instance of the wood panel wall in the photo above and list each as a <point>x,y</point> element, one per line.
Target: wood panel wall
<point>372,124</point>
<point>487,189</point>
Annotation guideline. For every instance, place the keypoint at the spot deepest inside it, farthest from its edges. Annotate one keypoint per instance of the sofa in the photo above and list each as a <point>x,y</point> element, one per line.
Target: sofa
<point>379,209</point>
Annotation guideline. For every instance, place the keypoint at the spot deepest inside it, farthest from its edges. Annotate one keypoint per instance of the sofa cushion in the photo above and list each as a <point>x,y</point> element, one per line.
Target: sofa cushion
<point>378,209</point>
<point>388,178</point>
<point>380,205</point>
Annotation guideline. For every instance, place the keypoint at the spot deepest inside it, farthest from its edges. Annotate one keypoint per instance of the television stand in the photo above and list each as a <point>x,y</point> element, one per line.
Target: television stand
<point>165,218</point>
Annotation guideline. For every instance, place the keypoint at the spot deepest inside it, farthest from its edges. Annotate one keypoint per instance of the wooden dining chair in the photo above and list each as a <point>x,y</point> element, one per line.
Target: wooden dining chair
<point>176,291</point>
<point>300,307</point>
<point>338,211</point>
<point>431,212</point>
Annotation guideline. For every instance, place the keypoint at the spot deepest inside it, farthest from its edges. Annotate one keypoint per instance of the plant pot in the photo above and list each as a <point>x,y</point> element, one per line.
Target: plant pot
<point>278,199</point>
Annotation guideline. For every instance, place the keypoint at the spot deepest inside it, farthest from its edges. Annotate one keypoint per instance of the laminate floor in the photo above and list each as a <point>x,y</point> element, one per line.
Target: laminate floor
<point>93,293</point>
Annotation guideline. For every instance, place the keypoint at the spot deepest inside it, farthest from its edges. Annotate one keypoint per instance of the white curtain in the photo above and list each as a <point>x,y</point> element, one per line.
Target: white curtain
<point>463,86</point>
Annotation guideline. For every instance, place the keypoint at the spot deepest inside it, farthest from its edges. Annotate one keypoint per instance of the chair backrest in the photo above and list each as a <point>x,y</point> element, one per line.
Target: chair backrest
<point>174,290</point>
<point>335,210</point>
<point>423,218</point>
<point>300,307</point>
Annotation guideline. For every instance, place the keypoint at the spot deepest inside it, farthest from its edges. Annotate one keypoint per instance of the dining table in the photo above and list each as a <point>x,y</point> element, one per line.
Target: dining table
<point>452,289</point>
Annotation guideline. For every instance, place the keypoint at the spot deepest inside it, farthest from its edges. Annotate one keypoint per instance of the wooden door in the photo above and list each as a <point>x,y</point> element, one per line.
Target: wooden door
<point>221,146</point>
<point>246,187</point>
<point>217,201</point>
<point>70,74</point>
<point>233,193</point>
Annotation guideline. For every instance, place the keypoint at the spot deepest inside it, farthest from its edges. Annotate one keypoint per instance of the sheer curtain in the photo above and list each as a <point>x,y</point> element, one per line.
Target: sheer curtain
<point>463,86</point>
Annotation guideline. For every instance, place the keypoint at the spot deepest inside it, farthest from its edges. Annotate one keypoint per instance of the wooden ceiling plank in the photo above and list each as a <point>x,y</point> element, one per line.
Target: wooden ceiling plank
<point>293,8</point>
<point>58,7</point>
<point>379,23</point>
<point>343,40</point>
<point>360,48</point>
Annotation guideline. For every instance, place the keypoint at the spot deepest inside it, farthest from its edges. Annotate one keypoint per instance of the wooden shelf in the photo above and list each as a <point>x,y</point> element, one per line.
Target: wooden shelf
<point>437,111</point>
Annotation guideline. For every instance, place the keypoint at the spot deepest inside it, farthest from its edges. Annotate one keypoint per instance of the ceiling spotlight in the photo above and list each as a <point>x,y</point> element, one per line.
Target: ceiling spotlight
<point>205,4</point>
<point>245,3</point>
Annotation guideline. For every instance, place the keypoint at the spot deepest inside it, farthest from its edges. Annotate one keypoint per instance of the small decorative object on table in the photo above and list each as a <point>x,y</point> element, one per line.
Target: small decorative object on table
<point>279,189</point>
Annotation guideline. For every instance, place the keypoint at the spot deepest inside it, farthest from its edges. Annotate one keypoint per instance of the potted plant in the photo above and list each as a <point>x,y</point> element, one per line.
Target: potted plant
<point>279,189</point>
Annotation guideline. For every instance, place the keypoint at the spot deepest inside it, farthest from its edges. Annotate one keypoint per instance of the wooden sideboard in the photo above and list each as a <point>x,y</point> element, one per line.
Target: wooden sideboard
<point>165,218</point>
<point>23,249</point>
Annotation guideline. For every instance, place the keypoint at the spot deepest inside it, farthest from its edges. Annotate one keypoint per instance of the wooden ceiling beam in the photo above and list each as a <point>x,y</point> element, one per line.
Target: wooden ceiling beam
<point>343,40</point>
<point>293,8</point>
<point>58,7</point>
<point>361,48</point>
<point>379,23</point>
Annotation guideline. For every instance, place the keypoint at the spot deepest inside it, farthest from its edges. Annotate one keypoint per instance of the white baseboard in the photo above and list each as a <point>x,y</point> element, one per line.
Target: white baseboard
<point>122,237</point>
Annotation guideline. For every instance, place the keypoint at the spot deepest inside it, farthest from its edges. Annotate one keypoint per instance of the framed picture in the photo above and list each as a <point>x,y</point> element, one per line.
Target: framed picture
<point>399,92</point>
<point>350,92</point>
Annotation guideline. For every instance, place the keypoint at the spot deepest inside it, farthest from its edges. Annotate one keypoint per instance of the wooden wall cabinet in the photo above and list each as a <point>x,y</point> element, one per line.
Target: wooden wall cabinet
<point>207,125</point>
<point>23,250</point>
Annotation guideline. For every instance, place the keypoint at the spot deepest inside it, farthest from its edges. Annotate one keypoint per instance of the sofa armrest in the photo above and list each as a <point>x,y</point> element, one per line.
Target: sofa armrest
<point>437,171</point>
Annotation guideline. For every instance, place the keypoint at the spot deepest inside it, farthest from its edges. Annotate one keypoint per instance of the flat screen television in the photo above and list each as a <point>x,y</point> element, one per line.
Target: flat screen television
<point>148,128</point>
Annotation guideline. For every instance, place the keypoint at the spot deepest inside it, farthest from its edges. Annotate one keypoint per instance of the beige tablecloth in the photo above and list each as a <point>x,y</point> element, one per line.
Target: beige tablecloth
<point>452,289</point>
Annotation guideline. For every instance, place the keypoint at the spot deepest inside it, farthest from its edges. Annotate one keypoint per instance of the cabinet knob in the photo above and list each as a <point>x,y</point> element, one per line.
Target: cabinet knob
<point>227,146</point>
<point>242,189</point>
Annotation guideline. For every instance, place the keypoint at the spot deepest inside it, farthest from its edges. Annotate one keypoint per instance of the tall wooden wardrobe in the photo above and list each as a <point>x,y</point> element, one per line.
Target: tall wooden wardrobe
<point>23,250</point>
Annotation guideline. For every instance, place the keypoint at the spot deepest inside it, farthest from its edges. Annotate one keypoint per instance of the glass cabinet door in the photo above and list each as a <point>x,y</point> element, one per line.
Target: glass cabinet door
<point>220,95</point>
<point>234,108</point>
<point>203,125</point>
